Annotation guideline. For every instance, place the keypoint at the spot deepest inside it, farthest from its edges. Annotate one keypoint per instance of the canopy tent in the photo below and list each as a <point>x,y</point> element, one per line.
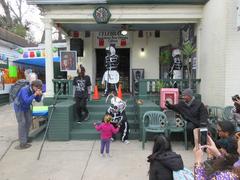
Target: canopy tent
<point>35,61</point>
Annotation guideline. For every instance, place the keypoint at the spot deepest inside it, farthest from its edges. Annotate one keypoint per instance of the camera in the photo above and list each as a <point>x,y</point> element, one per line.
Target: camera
<point>203,132</point>
<point>236,97</point>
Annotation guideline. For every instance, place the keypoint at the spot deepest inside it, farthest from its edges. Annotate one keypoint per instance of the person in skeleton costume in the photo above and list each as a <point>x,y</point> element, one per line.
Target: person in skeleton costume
<point>176,67</point>
<point>111,75</point>
<point>119,117</point>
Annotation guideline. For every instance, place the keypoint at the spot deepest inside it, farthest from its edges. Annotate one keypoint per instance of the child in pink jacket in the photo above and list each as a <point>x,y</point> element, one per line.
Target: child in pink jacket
<point>107,130</point>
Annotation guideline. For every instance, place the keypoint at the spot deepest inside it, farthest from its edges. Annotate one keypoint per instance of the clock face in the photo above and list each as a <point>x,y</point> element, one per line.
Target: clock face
<point>102,15</point>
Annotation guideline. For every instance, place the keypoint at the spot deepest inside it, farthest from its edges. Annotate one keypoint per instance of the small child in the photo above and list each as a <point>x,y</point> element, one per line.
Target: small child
<point>107,130</point>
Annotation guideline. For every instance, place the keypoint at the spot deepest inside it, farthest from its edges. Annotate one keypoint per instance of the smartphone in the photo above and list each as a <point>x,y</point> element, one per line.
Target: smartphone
<point>203,132</point>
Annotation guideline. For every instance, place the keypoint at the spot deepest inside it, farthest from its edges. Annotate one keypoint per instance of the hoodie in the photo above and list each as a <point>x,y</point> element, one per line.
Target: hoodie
<point>163,165</point>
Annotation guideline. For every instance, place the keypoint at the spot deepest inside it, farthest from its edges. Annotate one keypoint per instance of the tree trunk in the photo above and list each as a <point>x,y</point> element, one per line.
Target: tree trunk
<point>6,8</point>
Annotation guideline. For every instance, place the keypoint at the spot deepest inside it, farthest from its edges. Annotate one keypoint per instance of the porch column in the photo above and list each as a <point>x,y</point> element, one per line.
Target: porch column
<point>49,57</point>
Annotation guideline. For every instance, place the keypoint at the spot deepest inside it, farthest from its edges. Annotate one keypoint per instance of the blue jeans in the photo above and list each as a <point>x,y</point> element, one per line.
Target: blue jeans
<point>105,142</point>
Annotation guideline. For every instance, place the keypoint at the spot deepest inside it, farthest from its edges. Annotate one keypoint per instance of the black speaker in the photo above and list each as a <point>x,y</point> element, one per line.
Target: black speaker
<point>76,44</point>
<point>140,33</point>
<point>87,34</point>
<point>157,33</point>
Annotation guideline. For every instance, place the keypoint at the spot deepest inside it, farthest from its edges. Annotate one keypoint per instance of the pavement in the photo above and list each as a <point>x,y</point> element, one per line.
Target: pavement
<point>73,160</point>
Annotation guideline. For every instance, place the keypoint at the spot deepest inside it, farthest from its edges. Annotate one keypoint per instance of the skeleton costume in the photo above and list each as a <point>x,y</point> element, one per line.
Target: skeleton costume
<point>117,111</point>
<point>111,75</point>
<point>176,67</point>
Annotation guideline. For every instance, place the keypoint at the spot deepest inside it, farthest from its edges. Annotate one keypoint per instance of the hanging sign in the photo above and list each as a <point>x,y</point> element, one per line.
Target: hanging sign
<point>106,38</point>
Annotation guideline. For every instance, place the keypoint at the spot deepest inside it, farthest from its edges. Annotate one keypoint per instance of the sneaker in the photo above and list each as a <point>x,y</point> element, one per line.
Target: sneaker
<point>23,146</point>
<point>109,155</point>
<point>102,155</point>
<point>86,117</point>
<point>79,122</point>
<point>126,142</point>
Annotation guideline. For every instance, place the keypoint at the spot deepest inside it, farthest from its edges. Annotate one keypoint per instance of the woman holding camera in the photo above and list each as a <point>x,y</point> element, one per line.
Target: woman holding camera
<point>219,167</point>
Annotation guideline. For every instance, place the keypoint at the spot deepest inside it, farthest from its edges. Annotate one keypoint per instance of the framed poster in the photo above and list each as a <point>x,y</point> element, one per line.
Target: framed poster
<point>137,74</point>
<point>68,60</point>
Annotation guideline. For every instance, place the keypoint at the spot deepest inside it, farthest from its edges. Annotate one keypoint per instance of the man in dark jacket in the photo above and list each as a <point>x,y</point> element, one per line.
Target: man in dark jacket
<point>23,110</point>
<point>192,110</point>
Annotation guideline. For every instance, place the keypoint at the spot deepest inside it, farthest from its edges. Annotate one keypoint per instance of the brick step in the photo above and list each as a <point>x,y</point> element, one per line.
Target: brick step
<point>83,134</point>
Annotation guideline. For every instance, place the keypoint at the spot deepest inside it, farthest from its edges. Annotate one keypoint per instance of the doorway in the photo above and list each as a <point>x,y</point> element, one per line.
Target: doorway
<point>123,67</point>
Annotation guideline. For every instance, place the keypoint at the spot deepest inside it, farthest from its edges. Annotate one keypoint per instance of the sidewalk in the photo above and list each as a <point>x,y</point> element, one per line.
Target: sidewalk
<point>72,160</point>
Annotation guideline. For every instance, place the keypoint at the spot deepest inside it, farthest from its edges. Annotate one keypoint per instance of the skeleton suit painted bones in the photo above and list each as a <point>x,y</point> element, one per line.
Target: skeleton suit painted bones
<point>117,111</point>
<point>111,75</point>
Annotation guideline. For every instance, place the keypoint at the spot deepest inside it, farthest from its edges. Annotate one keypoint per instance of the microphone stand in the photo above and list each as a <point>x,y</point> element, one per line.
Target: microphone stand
<point>49,120</point>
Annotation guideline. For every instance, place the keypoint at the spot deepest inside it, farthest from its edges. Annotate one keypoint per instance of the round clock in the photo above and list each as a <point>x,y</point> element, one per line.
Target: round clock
<point>101,15</point>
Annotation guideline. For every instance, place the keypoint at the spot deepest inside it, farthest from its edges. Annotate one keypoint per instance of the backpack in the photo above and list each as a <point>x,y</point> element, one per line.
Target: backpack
<point>13,93</point>
<point>184,174</point>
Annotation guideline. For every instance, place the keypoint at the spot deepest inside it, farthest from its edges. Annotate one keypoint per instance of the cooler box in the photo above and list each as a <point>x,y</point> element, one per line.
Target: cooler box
<point>168,94</point>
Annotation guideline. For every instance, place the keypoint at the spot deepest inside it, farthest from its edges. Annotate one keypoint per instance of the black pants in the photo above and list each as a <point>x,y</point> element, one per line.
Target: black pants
<point>81,106</point>
<point>124,130</point>
<point>190,128</point>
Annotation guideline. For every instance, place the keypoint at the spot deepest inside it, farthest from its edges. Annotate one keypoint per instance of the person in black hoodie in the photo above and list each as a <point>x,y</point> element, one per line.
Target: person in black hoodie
<point>163,161</point>
<point>192,110</point>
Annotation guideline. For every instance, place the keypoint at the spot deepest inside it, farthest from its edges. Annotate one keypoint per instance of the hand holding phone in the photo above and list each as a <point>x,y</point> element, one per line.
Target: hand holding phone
<point>203,133</point>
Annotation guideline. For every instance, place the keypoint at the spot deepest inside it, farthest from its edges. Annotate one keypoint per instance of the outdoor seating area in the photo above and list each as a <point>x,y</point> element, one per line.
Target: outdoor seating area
<point>165,122</point>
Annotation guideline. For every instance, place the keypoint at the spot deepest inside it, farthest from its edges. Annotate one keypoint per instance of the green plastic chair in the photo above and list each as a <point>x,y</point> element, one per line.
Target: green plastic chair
<point>176,124</point>
<point>215,114</point>
<point>227,113</point>
<point>154,122</point>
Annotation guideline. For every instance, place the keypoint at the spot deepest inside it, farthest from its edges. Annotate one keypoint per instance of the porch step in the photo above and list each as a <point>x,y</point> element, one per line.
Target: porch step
<point>99,115</point>
<point>104,107</point>
<point>87,134</point>
<point>89,124</point>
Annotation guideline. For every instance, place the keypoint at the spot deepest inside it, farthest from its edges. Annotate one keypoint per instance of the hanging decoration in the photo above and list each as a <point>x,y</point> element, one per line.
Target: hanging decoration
<point>13,71</point>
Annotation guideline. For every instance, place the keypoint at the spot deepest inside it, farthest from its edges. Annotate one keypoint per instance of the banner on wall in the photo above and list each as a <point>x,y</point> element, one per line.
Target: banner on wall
<point>107,38</point>
<point>238,15</point>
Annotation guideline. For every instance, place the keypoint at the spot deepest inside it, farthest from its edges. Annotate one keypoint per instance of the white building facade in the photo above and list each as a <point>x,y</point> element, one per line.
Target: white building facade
<point>215,31</point>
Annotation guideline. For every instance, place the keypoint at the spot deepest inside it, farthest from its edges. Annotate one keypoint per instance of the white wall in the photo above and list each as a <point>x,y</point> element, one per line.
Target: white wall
<point>232,50</point>
<point>150,60</point>
<point>212,47</point>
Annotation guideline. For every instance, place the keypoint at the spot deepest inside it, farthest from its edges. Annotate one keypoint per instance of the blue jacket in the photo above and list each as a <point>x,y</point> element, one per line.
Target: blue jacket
<point>26,96</point>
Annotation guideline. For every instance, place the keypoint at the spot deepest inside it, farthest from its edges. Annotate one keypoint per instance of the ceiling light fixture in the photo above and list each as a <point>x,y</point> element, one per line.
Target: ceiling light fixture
<point>124,30</point>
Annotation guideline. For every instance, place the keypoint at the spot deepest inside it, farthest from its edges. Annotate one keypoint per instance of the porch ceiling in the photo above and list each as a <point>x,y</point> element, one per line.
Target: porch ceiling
<point>117,27</point>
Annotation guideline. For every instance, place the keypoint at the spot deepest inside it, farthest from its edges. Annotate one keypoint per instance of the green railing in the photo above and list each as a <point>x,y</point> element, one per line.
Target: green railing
<point>63,87</point>
<point>148,87</point>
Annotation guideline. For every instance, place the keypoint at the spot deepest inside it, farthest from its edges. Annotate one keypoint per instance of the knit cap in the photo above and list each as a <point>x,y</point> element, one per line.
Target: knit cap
<point>187,92</point>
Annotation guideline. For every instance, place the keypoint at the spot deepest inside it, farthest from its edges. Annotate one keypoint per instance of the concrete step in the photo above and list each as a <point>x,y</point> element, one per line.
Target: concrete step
<point>83,134</point>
